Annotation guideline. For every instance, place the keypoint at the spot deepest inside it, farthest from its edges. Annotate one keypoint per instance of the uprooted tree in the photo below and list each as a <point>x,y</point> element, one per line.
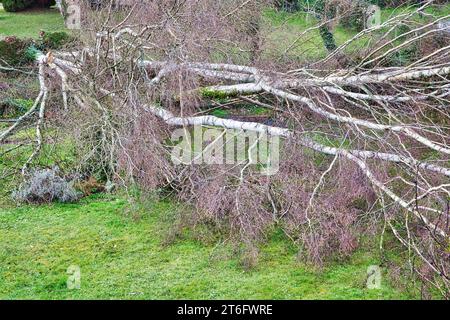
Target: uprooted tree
<point>365,131</point>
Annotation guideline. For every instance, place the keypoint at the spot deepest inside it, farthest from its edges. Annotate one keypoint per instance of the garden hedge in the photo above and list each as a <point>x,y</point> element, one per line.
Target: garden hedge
<point>20,5</point>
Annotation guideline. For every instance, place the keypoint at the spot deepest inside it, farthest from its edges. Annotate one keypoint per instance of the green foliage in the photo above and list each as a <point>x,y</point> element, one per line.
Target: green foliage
<point>288,5</point>
<point>14,51</point>
<point>31,53</point>
<point>328,38</point>
<point>14,107</point>
<point>356,19</point>
<point>20,5</point>
<point>404,56</point>
<point>256,110</point>
<point>329,142</point>
<point>380,3</point>
<point>55,40</point>
<point>401,30</point>
<point>17,52</point>
<point>16,5</point>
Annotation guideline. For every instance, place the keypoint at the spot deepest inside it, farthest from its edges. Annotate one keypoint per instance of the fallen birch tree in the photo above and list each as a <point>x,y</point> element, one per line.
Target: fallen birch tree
<point>384,130</point>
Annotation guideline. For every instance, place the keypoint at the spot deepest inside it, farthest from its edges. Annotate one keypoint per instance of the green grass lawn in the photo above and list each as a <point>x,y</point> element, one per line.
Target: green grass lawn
<point>123,257</point>
<point>28,24</point>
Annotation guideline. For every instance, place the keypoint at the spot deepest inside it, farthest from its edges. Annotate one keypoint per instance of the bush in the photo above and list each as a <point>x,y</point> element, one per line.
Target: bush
<point>16,5</point>
<point>45,186</point>
<point>15,51</point>
<point>404,56</point>
<point>19,52</point>
<point>14,107</point>
<point>328,38</point>
<point>355,16</point>
<point>54,40</point>
<point>20,5</point>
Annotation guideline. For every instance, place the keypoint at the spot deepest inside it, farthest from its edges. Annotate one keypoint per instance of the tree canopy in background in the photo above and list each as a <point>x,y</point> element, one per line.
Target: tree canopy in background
<point>20,5</point>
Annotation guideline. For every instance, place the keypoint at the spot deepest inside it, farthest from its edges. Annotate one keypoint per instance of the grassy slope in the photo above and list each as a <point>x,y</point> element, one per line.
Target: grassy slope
<point>28,24</point>
<point>124,258</point>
